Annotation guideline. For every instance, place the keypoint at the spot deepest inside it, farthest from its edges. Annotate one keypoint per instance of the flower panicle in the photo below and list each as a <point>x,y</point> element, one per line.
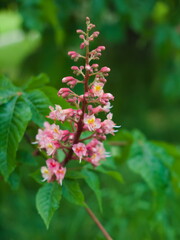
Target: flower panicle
<point>83,118</point>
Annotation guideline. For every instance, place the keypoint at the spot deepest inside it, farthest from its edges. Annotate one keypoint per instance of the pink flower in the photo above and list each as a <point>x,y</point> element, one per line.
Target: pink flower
<point>52,165</point>
<point>46,174</point>
<point>60,173</point>
<point>48,137</point>
<point>97,89</point>
<point>96,152</point>
<point>44,136</point>
<point>91,122</point>
<point>53,169</point>
<point>108,125</point>
<point>51,147</point>
<point>56,132</point>
<point>57,113</point>
<point>80,150</point>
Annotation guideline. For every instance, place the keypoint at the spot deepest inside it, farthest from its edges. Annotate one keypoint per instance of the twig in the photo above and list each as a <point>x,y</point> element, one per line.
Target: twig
<point>100,226</point>
<point>118,143</point>
<point>83,139</point>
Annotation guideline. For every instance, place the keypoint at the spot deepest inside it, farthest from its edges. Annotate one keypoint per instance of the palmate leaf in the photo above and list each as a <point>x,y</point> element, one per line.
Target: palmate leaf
<point>146,160</point>
<point>39,104</point>
<point>36,82</point>
<point>47,201</point>
<point>14,117</point>
<point>7,90</point>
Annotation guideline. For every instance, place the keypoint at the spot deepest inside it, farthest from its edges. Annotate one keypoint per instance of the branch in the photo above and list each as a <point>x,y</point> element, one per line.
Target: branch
<point>100,226</point>
<point>118,143</point>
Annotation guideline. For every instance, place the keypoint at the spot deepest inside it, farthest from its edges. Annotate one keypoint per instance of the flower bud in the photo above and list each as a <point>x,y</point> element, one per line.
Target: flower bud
<point>64,92</point>
<point>105,69</point>
<point>79,31</point>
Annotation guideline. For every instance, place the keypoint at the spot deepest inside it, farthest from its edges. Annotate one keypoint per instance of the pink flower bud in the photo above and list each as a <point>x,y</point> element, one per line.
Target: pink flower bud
<point>81,67</point>
<point>75,68</point>
<point>95,110</point>
<point>82,45</point>
<point>64,92</point>
<point>81,36</point>
<point>71,100</point>
<point>72,83</point>
<point>80,98</point>
<point>95,34</point>
<point>95,65</point>
<point>67,79</point>
<point>105,69</point>
<point>70,53</point>
<point>87,20</point>
<point>103,80</point>
<point>65,135</point>
<point>88,67</point>
<point>74,55</point>
<point>105,98</point>
<point>109,96</point>
<point>79,31</point>
<point>79,112</point>
<point>100,48</point>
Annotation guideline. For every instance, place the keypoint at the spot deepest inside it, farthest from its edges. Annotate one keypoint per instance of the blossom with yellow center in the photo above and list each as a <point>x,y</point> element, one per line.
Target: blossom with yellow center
<point>97,89</point>
<point>91,122</point>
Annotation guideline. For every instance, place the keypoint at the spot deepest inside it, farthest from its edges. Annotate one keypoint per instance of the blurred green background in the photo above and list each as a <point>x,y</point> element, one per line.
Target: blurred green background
<point>142,40</point>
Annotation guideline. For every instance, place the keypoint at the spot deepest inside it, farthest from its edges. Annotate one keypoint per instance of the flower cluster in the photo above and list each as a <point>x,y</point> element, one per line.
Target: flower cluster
<point>53,171</point>
<point>83,141</point>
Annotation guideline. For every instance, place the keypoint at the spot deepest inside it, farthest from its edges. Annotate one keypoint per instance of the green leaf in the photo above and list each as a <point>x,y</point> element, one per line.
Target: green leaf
<point>72,192</point>
<point>171,149</point>
<point>114,174</point>
<point>39,104</point>
<point>74,175</point>
<point>37,82</point>
<point>37,176</point>
<point>93,182</point>
<point>14,180</point>
<point>7,90</point>
<point>14,117</point>
<point>47,201</point>
<point>146,161</point>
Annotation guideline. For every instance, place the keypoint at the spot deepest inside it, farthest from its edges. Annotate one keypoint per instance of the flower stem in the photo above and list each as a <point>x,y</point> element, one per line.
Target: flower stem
<point>100,226</point>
